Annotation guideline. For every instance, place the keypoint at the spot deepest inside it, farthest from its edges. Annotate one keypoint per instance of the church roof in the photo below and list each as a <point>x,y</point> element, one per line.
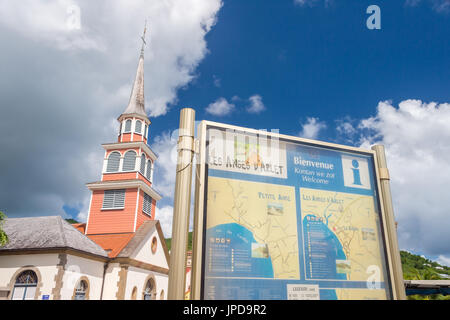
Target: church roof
<point>124,245</point>
<point>47,233</point>
<point>112,243</point>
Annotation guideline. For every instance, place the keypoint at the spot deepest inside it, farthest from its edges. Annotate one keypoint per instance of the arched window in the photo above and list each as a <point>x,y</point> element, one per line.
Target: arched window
<point>142,169</point>
<point>149,169</point>
<point>113,162</point>
<point>150,290</point>
<point>80,290</point>
<point>25,286</point>
<point>145,132</point>
<point>138,127</point>
<point>128,126</point>
<point>129,161</point>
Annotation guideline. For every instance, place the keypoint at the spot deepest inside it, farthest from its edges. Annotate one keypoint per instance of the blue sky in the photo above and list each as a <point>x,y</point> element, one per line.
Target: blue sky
<point>318,61</point>
<point>306,67</point>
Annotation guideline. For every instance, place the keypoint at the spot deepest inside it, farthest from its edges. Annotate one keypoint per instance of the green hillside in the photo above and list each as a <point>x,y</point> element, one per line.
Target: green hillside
<point>416,267</point>
<point>169,242</point>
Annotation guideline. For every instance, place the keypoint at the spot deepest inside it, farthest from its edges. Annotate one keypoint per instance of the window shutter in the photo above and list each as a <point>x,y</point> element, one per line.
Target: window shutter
<point>119,199</point>
<point>108,199</point>
<point>138,127</point>
<point>113,162</point>
<point>129,161</point>
<point>128,126</point>
<point>149,169</point>
<point>147,207</point>
<point>114,199</point>
<point>142,164</point>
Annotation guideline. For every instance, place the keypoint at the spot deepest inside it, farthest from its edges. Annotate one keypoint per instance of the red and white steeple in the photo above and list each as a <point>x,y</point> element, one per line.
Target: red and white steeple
<point>124,198</point>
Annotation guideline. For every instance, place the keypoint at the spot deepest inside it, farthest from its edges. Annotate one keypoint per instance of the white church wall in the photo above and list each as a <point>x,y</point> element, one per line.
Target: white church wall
<point>90,270</point>
<point>46,264</point>
<point>111,280</point>
<point>138,277</point>
<point>144,251</point>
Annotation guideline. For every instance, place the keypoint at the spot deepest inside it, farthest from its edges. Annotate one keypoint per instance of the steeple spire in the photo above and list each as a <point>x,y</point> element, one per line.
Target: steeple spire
<point>136,105</point>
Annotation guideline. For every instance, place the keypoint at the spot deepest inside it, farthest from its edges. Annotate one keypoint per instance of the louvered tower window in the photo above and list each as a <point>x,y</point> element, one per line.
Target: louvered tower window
<point>147,207</point>
<point>142,169</point>
<point>128,126</point>
<point>129,161</point>
<point>138,127</point>
<point>149,169</point>
<point>114,199</point>
<point>113,162</point>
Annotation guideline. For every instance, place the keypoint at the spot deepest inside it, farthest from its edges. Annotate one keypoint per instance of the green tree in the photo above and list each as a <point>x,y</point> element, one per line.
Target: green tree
<point>3,235</point>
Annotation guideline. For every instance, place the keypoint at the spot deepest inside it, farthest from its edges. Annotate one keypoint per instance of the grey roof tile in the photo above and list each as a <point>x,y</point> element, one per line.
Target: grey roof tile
<point>47,233</point>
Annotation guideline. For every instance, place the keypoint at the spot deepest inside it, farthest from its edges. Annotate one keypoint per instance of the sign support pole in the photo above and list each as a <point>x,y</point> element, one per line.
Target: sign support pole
<point>182,205</point>
<point>390,222</point>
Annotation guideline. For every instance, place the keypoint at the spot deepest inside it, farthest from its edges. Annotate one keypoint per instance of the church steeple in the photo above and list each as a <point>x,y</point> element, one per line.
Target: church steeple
<point>124,198</point>
<point>134,122</point>
<point>136,105</point>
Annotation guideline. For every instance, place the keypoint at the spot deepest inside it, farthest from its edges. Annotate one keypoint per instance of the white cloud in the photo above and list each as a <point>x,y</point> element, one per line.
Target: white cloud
<point>311,3</point>
<point>221,107</point>
<point>165,216</point>
<point>165,145</point>
<point>443,260</point>
<point>49,22</point>
<point>77,82</point>
<point>416,136</point>
<point>312,128</point>
<point>439,6</point>
<point>217,82</point>
<point>256,104</point>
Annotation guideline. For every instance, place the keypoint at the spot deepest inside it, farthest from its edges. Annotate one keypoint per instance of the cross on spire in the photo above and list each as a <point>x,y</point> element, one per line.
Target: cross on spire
<point>143,38</point>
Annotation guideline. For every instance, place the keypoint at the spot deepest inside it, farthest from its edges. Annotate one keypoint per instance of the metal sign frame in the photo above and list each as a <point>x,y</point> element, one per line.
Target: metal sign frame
<point>387,224</point>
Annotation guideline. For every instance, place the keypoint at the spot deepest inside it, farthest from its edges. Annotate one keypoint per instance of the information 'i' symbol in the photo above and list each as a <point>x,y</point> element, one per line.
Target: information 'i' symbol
<point>356,175</point>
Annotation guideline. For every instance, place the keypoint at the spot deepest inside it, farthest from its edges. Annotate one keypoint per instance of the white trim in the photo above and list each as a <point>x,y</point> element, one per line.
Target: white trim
<point>152,171</point>
<point>131,145</point>
<point>120,184</point>
<point>89,214</point>
<point>133,125</point>
<point>111,209</point>
<point>136,211</point>
<point>134,115</point>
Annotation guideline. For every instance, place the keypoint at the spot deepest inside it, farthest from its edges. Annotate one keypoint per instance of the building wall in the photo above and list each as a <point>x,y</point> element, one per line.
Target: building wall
<point>59,273</point>
<point>141,216</point>
<point>112,221</point>
<point>144,251</point>
<point>138,278</point>
<point>78,268</point>
<point>111,280</point>
<point>46,264</point>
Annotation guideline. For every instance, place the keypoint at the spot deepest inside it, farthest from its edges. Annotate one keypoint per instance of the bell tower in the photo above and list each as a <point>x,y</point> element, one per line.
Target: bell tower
<point>124,198</point>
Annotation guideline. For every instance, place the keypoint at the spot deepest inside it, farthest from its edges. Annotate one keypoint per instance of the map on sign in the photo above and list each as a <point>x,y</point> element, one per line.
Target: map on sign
<point>285,220</point>
<point>345,225</point>
<point>262,218</point>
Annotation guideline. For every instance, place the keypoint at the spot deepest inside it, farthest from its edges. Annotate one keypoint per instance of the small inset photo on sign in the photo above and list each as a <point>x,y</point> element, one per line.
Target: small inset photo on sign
<point>343,266</point>
<point>275,209</point>
<point>368,234</point>
<point>260,250</point>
